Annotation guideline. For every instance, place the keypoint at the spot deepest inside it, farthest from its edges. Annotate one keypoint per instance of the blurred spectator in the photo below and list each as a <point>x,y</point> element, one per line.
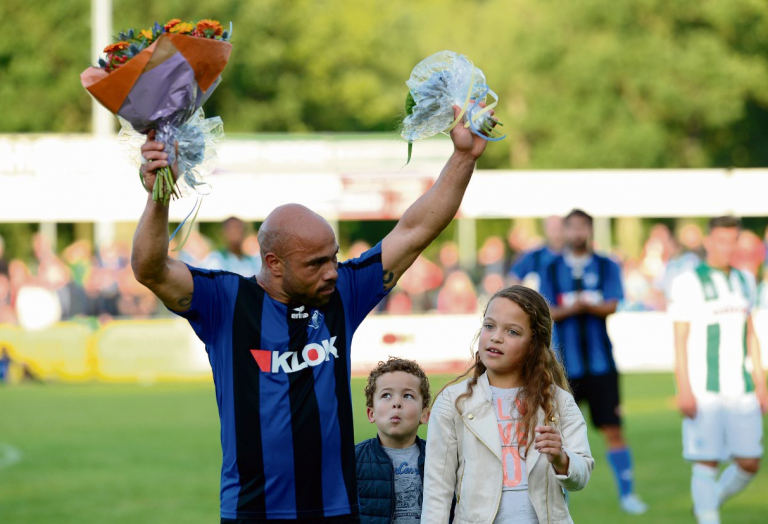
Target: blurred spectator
<point>399,303</point>
<point>449,257</point>
<point>656,252</point>
<point>358,248</point>
<point>692,240</point>
<point>7,313</point>
<point>687,253</point>
<point>420,281</point>
<point>458,295</point>
<point>750,252</point>
<point>490,284</point>
<point>102,295</point>
<point>135,300</point>
<point>491,256</point>
<point>197,252</point>
<point>3,261</point>
<point>232,257</point>
<point>78,258</point>
<point>637,288</point>
<point>527,267</point>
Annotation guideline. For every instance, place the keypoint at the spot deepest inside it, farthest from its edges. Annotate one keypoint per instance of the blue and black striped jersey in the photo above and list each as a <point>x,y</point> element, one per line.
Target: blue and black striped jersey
<point>282,377</point>
<point>583,339</point>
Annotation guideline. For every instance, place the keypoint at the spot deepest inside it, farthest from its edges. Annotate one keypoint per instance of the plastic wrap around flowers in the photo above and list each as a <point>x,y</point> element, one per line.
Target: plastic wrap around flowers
<point>438,83</point>
<point>199,140</point>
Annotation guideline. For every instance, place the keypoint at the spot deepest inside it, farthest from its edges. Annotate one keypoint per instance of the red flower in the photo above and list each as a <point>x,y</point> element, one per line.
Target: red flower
<point>171,23</point>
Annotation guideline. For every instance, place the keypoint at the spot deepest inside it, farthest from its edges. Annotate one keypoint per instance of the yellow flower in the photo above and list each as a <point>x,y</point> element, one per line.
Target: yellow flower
<point>119,46</point>
<point>211,25</point>
<point>182,28</point>
<point>147,33</point>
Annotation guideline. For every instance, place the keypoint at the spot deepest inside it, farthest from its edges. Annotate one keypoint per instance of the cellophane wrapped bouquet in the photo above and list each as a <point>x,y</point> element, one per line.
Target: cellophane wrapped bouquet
<point>159,78</point>
<point>439,82</point>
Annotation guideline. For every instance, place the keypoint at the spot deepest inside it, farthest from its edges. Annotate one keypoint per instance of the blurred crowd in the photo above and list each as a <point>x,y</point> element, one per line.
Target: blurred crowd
<point>83,282</point>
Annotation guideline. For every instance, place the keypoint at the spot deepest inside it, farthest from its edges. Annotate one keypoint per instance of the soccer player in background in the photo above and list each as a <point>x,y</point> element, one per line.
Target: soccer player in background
<point>527,268</point>
<point>721,400</point>
<point>584,288</point>
<point>279,341</point>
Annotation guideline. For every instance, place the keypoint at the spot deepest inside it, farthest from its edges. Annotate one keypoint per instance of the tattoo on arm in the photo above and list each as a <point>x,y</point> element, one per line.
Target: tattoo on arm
<point>185,301</point>
<point>389,276</point>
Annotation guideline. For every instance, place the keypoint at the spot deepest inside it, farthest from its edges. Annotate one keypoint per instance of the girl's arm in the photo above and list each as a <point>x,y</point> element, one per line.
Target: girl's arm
<point>574,432</point>
<point>441,462</point>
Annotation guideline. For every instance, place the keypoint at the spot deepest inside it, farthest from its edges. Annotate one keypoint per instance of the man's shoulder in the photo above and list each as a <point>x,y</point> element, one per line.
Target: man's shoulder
<point>368,258</point>
<point>605,258</point>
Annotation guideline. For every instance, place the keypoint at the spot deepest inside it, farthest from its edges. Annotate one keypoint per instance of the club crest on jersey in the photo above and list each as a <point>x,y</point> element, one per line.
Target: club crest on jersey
<point>590,279</point>
<point>317,318</point>
<point>292,361</point>
<point>299,313</point>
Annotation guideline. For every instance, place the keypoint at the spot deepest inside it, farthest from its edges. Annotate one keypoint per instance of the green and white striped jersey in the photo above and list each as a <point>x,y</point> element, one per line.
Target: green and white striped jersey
<point>717,306</point>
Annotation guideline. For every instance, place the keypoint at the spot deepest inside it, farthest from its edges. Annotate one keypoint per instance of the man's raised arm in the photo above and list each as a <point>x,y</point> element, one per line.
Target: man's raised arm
<point>167,278</point>
<point>434,210</point>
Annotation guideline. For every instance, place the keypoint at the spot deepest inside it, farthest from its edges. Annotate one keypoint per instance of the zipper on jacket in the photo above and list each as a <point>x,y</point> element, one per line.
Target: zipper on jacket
<point>461,482</point>
<point>393,501</point>
<point>498,502</point>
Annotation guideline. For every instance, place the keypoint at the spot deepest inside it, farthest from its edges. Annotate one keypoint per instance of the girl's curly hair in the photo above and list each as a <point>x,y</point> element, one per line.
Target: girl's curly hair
<point>541,369</point>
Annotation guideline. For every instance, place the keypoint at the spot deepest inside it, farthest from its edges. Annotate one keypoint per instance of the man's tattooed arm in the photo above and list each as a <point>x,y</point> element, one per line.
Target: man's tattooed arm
<point>389,278</point>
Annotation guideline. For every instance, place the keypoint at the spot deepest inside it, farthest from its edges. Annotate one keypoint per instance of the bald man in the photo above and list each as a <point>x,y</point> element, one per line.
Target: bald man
<point>279,342</point>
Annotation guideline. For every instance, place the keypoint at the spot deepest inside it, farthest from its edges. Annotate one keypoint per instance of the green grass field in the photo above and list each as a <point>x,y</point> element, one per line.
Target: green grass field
<point>150,454</point>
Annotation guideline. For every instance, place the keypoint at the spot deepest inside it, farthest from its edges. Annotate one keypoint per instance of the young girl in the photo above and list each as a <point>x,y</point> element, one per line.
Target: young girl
<point>507,441</point>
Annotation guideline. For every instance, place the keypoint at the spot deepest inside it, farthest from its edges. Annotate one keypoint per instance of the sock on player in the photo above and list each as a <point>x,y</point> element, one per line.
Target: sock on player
<point>732,480</point>
<point>621,463</point>
<point>704,493</point>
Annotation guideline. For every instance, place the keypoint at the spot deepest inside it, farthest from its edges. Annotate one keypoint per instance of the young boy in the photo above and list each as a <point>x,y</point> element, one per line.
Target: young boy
<point>390,467</point>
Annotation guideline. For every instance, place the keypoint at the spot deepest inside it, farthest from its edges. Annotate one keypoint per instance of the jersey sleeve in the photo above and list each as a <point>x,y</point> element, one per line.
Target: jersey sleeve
<point>361,284</point>
<point>522,266</point>
<point>685,295</point>
<point>613,289</point>
<point>212,292</point>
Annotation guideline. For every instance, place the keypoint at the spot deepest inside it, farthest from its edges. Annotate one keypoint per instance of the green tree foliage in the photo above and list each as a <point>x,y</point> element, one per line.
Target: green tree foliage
<point>593,83</point>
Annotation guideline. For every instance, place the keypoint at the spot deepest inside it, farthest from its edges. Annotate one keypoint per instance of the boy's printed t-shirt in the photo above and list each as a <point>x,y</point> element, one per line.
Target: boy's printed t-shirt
<point>716,306</point>
<point>408,489</point>
<point>515,506</point>
<point>282,377</point>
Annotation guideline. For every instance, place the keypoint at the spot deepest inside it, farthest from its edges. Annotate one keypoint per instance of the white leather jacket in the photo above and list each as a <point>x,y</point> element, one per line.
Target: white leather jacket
<point>464,458</point>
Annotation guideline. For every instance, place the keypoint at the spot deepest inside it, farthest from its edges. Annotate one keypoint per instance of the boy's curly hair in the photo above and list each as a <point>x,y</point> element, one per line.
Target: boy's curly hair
<point>398,364</point>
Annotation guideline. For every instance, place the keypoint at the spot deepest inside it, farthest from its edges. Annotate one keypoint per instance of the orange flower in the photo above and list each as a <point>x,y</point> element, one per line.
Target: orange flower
<point>210,27</point>
<point>147,33</point>
<point>119,46</point>
<point>182,28</point>
<point>171,23</point>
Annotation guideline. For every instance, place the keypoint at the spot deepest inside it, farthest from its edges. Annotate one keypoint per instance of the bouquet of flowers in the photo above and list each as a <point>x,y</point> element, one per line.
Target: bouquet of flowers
<point>438,83</point>
<point>158,78</point>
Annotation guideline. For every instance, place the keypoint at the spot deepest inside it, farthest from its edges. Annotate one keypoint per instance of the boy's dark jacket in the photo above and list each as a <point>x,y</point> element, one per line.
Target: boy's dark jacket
<point>376,480</point>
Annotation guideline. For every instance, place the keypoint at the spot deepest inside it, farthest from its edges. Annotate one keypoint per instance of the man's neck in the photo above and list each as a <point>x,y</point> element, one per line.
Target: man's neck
<point>724,268</point>
<point>272,288</point>
<point>390,442</point>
